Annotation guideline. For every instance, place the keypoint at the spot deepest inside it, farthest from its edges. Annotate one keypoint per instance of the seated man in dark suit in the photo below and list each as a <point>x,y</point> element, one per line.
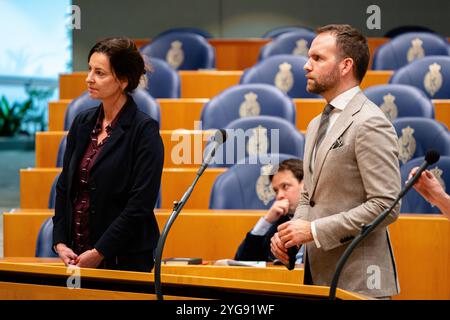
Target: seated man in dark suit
<point>287,183</point>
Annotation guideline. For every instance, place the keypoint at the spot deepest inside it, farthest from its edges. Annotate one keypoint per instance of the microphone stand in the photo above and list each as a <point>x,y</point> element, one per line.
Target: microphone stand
<point>177,206</point>
<point>366,229</point>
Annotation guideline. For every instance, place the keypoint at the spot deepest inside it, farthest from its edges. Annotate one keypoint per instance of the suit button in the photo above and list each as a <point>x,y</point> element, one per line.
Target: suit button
<point>312,203</point>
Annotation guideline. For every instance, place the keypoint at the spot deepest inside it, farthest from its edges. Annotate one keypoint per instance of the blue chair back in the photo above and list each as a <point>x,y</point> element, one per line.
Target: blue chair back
<point>418,135</point>
<point>274,33</point>
<point>406,29</point>
<point>182,51</point>
<point>52,196</point>
<point>283,71</point>
<point>246,100</point>
<point>141,97</point>
<point>413,202</point>
<point>200,32</point>
<point>430,74</point>
<point>163,81</point>
<point>44,241</point>
<point>406,48</point>
<point>399,100</point>
<point>246,185</point>
<point>253,136</point>
<point>294,42</point>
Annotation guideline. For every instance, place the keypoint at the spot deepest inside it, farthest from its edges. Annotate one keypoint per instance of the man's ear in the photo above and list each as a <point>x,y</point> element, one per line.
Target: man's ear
<point>346,66</point>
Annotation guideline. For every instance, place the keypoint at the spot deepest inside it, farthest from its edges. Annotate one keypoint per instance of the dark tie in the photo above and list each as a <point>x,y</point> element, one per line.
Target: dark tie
<point>323,126</point>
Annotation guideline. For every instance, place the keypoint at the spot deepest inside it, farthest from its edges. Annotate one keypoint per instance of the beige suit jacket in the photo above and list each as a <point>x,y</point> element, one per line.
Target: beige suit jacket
<point>355,177</point>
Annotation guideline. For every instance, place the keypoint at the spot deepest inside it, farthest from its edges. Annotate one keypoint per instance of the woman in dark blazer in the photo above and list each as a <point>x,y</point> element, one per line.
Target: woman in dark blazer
<point>112,170</point>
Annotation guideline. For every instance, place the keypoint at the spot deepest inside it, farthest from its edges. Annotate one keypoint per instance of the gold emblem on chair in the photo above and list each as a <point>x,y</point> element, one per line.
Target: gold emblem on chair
<point>250,107</point>
<point>437,172</point>
<point>301,49</point>
<point>416,51</point>
<point>263,186</point>
<point>284,80</point>
<point>175,56</point>
<point>258,142</point>
<point>389,107</point>
<point>433,79</point>
<point>406,145</point>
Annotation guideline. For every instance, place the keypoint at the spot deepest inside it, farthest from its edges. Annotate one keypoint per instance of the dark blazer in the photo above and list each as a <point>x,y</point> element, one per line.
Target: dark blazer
<point>124,184</point>
<point>257,248</point>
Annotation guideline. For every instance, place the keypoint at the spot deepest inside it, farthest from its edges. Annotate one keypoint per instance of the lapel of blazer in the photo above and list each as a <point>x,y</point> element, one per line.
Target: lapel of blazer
<point>344,121</point>
<point>309,148</point>
<point>123,123</point>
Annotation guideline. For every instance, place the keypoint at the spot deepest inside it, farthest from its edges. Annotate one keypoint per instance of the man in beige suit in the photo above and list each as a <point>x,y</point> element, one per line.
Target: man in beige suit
<point>351,173</point>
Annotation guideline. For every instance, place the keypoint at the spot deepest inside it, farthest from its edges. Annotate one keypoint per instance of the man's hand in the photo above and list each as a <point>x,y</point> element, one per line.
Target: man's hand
<point>278,249</point>
<point>66,254</point>
<point>295,233</point>
<point>89,259</point>
<point>278,209</point>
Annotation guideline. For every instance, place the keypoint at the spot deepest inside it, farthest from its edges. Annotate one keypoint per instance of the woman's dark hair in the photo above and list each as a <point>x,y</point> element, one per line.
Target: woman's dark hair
<point>125,59</point>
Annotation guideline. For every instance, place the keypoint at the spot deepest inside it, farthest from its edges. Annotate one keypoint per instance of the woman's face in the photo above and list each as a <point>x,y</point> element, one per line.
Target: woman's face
<point>101,80</point>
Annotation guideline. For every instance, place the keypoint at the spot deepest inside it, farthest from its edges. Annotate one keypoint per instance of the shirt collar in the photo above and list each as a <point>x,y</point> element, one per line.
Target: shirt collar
<point>341,101</point>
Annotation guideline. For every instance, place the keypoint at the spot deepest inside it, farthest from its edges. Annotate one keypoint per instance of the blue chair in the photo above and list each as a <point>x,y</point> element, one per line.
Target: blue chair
<point>399,100</point>
<point>407,48</point>
<point>274,33</point>
<point>430,74</point>
<point>247,100</point>
<point>163,82</point>
<point>44,241</point>
<point>52,196</point>
<point>200,32</point>
<point>260,135</point>
<point>413,202</point>
<point>418,135</point>
<point>182,51</point>
<point>283,71</point>
<point>293,42</point>
<point>246,185</point>
<point>141,97</point>
<point>406,29</point>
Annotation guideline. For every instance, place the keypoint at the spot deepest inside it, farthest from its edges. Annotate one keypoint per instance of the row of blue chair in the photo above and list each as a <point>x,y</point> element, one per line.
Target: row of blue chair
<point>246,186</point>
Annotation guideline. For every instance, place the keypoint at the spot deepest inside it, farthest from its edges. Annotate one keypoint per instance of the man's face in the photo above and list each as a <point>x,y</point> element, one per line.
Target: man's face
<point>286,186</point>
<point>322,66</point>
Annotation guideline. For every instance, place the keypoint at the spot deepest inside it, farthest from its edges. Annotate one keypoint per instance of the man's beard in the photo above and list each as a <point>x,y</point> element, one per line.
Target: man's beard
<point>324,83</point>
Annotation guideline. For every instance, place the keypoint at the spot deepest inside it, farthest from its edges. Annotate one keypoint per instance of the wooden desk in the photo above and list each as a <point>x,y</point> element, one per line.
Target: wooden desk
<point>40,281</point>
<point>421,243</point>
<point>197,84</point>
<point>35,185</point>
<point>193,141</point>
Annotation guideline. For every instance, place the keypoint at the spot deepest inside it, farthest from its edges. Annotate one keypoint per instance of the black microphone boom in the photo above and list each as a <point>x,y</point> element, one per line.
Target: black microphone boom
<point>431,157</point>
<point>219,138</point>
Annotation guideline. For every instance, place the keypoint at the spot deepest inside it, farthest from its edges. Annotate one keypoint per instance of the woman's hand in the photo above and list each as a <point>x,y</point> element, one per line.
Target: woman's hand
<point>89,259</point>
<point>66,254</point>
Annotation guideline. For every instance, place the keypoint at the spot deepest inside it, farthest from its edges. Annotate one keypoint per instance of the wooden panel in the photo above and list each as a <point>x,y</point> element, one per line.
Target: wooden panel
<point>306,110</point>
<point>422,251</point>
<point>207,84</point>
<point>181,113</point>
<point>56,113</point>
<point>442,111</point>
<point>182,148</point>
<point>47,145</point>
<point>35,185</point>
<point>237,54</point>
<point>375,77</point>
<point>72,85</point>
<point>421,243</point>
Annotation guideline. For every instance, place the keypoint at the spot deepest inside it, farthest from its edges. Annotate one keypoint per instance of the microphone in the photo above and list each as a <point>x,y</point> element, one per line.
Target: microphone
<point>431,157</point>
<point>292,253</point>
<point>219,137</point>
